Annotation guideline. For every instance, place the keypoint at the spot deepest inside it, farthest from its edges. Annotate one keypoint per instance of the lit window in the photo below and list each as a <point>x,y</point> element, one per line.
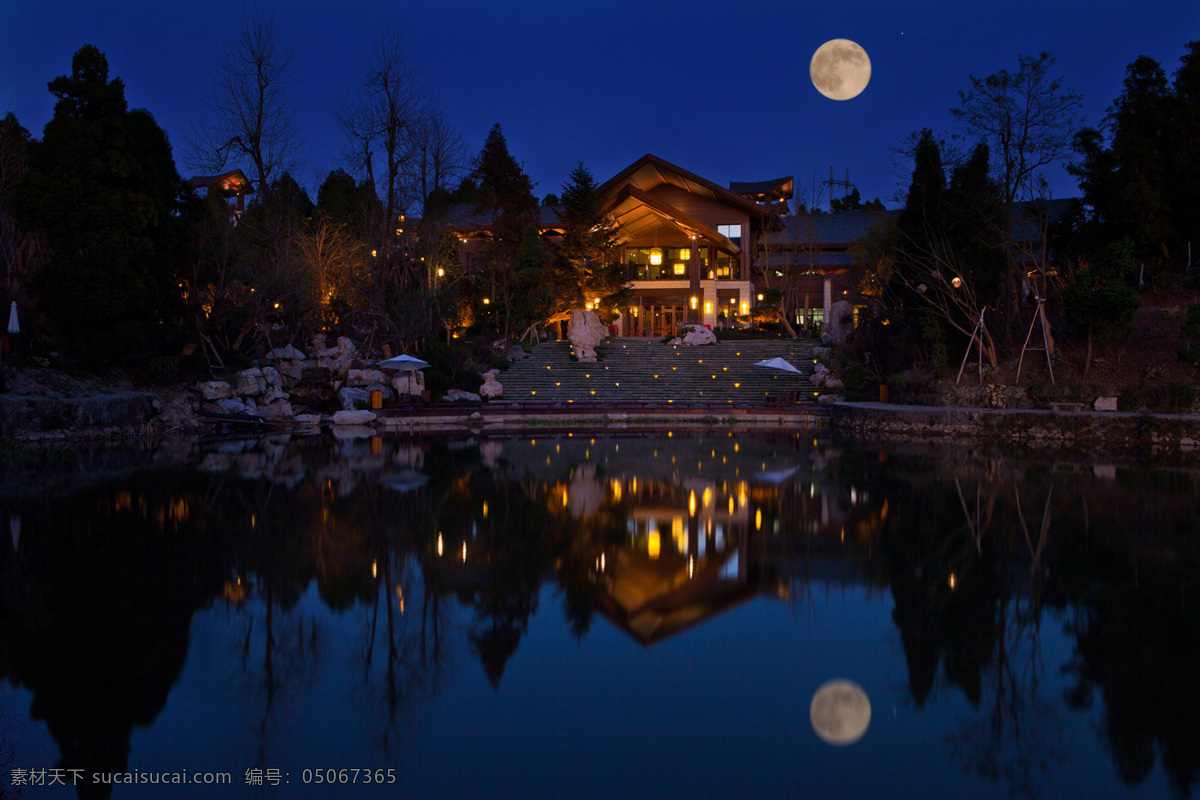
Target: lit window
<point>680,269</point>
<point>732,232</point>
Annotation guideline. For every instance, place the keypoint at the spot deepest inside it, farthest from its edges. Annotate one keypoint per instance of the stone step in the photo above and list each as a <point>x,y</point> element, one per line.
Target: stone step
<point>640,371</point>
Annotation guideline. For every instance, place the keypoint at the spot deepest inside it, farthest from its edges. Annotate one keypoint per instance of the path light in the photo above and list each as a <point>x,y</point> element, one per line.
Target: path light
<point>956,282</point>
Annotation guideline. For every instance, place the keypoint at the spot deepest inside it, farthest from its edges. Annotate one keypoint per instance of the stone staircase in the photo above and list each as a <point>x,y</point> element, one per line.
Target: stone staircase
<point>647,371</point>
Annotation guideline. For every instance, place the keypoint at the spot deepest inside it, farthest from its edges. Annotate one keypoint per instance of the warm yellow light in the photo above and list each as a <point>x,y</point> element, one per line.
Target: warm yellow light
<point>440,545</point>
<point>685,254</point>
<point>952,580</point>
<point>487,301</point>
<point>760,298</point>
<point>679,268</point>
<point>485,509</point>
<point>464,555</point>
<point>695,302</point>
<point>692,504</point>
<point>956,282</point>
<point>758,519</point>
<point>707,307</point>
<point>745,308</point>
<point>374,569</point>
<point>653,544</point>
<point>707,498</point>
<point>373,255</point>
<point>441,272</point>
<point>655,256</point>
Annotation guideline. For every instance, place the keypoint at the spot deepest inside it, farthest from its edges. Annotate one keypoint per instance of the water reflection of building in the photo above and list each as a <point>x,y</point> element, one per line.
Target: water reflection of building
<point>686,557</point>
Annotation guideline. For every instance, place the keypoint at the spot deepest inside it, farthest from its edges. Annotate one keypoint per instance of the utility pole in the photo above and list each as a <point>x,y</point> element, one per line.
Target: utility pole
<point>846,185</point>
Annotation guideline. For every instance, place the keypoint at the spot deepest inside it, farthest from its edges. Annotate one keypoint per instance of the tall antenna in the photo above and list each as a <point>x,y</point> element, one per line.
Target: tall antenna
<point>846,185</point>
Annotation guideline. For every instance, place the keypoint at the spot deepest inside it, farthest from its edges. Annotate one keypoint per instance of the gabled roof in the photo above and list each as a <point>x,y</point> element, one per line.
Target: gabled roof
<point>227,184</point>
<point>637,212</point>
<point>778,189</point>
<point>650,171</point>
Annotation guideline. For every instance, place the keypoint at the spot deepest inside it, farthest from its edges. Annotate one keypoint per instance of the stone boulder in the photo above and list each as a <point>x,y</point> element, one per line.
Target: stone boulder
<point>365,377</point>
<point>491,388</point>
<point>1105,404</point>
<point>699,335</point>
<point>308,419</point>
<point>236,405</point>
<point>214,390</point>
<point>250,383</point>
<point>177,414</point>
<point>286,353</point>
<point>516,353</point>
<point>353,418</point>
<point>841,322</point>
<point>455,395</point>
<point>410,383</point>
<point>350,397</point>
<point>585,332</point>
<point>280,409</point>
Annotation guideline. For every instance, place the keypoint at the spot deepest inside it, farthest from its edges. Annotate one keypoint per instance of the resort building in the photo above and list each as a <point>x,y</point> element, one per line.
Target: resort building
<point>232,187</point>
<point>703,253</point>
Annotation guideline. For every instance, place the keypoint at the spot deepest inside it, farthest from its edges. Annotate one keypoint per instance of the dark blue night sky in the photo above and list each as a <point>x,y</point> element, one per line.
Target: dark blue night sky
<point>718,88</point>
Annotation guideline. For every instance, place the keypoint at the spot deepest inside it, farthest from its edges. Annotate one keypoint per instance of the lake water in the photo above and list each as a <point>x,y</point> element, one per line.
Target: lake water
<point>597,617</point>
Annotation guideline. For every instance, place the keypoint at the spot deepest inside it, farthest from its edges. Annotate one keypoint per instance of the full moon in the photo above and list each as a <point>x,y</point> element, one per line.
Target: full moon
<point>840,712</point>
<point>840,69</point>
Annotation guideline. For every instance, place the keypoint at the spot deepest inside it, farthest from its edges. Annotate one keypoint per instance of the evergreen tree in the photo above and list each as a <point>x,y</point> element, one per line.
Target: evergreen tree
<point>504,196</point>
<point>102,188</point>
<point>1101,297</point>
<point>589,244</point>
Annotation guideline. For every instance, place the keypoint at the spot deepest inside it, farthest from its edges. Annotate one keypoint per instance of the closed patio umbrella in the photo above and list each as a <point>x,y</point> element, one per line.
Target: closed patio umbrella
<point>13,325</point>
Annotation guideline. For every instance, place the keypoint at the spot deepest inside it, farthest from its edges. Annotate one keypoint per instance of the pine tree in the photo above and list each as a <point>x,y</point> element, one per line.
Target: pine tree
<point>103,190</point>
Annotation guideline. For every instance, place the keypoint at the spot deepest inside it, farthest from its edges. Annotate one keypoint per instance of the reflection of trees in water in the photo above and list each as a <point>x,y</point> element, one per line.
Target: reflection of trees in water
<point>112,576</point>
<point>979,553</point>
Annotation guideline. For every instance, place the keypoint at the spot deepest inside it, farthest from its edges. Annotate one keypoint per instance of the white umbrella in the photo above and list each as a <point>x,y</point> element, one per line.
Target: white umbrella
<point>777,363</point>
<point>13,325</point>
<point>404,363</point>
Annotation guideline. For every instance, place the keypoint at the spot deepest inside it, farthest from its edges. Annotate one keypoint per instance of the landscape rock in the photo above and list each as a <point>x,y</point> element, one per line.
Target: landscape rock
<point>214,390</point>
<point>585,332</point>
<point>353,418</point>
<point>699,335</point>
<point>234,405</point>
<point>1105,404</point>
<point>250,382</point>
<point>346,346</point>
<point>308,419</point>
<point>177,414</point>
<point>411,383</point>
<point>841,322</point>
<point>365,377</point>
<point>516,353</point>
<point>455,395</point>
<point>280,409</point>
<point>286,353</point>
<point>351,397</point>
<point>491,388</point>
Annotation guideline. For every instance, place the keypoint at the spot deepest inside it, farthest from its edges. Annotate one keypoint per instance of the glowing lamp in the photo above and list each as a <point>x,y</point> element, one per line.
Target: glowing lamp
<point>956,282</point>
<point>707,307</point>
<point>685,254</point>
<point>655,256</point>
<point>695,302</point>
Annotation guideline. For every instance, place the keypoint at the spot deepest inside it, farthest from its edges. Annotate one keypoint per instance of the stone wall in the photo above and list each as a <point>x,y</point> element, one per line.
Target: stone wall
<point>1157,433</point>
<point>24,414</point>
